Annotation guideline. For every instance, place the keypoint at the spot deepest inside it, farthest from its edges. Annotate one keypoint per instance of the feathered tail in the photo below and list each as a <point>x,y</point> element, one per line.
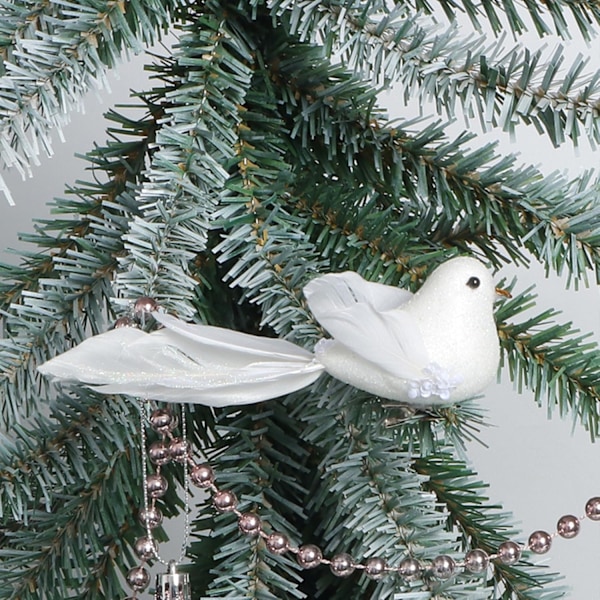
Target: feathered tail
<point>187,363</point>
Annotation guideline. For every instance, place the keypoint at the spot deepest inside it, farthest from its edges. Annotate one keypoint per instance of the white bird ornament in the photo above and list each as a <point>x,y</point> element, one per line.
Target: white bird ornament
<point>439,345</point>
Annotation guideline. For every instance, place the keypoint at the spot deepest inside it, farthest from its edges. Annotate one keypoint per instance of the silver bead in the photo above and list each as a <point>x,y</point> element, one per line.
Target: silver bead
<point>156,485</point>
<point>568,526</point>
<point>138,579</point>
<point>309,556</point>
<point>342,565</point>
<point>202,476</point>
<point>540,542</point>
<point>145,548</point>
<point>151,517</point>
<point>375,568</point>
<point>225,501</point>
<point>476,561</point>
<point>442,567</point>
<point>592,509</point>
<point>179,450</point>
<point>277,543</point>
<point>509,553</point>
<point>163,420</point>
<point>410,569</point>
<point>145,304</point>
<point>159,453</point>
<point>249,524</point>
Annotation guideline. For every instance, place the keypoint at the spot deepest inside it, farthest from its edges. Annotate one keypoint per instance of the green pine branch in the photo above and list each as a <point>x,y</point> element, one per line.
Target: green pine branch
<point>258,457</point>
<point>484,526</point>
<point>370,230</point>
<point>55,52</point>
<point>475,199</point>
<point>503,87</point>
<point>64,286</point>
<point>264,248</point>
<point>547,18</point>
<point>551,360</point>
<point>467,198</point>
<point>187,171</point>
<point>365,499</point>
<point>280,165</point>
<point>70,490</point>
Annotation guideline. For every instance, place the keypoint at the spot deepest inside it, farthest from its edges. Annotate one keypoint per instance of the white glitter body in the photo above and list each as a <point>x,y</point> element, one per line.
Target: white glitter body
<point>440,345</point>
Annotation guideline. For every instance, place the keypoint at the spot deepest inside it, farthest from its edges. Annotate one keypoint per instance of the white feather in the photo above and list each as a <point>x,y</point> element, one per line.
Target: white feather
<point>187,363</point>
<point>366,318</point>
<point>332,290</point>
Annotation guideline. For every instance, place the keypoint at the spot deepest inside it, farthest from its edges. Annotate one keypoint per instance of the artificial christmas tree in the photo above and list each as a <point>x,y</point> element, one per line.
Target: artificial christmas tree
<point>261,162</point>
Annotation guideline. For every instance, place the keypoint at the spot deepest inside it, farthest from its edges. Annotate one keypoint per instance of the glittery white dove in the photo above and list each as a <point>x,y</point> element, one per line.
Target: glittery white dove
<point>436,346</point>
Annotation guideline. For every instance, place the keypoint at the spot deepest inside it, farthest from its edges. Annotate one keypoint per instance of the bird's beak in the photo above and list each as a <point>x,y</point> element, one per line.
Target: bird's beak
<point>502,292</point>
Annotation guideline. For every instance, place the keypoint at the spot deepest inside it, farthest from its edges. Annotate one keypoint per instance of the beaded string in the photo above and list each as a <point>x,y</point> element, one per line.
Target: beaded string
<point>308,556</point>
<point>442,567</point>
<point>161,452</point>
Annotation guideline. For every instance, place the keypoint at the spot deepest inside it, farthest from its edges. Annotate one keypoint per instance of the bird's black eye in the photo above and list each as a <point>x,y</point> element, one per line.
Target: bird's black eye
<point>473,283</point>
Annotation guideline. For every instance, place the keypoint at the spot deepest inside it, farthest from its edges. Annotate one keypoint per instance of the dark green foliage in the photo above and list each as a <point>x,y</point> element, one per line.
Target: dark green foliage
<point>260,159</point>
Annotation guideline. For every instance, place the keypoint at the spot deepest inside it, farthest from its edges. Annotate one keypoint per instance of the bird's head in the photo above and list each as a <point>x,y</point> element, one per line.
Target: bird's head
<point>463,282</point>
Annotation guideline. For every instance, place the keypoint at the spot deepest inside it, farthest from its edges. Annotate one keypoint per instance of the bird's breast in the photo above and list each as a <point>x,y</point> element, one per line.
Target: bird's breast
<point>469,350</point>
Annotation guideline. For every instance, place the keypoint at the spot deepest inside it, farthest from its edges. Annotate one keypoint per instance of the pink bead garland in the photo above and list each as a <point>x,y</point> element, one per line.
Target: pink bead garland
<point>442,567</point>
<point>308,556</point>
<point>170,448</point>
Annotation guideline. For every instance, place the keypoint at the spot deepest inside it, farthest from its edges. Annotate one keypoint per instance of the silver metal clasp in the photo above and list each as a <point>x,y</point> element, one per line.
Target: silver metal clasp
<point>173,585</point>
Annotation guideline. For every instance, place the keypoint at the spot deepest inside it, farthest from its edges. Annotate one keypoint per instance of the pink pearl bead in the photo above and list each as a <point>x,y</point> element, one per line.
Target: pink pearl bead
<point>443,567</point>
<point>277,543</point>
<point>159,453</point>
<point>179,450</point>
<point>309,556</point>
<point>225,501</point>
<point>342,565</point>
<point>568,526</point>
<point>157,485</point>
<point>410,569</point>
<point>249,524</point>
<point>151,518</point>
<point>138,579</point>
<point>540,542</point>
<point>124,322</point>
<point>202,476</point>
<point>375,568</point>
<point>145,548</point>
<point>592,509</point>
<point>476,561</point>
<point>509,553</point>
<point>163,420</point>
<point>145,304</point>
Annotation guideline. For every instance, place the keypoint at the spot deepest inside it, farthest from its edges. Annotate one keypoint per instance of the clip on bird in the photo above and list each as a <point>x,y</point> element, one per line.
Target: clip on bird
<point>439,345</point>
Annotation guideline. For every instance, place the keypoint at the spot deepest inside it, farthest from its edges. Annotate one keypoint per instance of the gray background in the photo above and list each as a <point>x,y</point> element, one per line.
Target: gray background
<point>539,468</point>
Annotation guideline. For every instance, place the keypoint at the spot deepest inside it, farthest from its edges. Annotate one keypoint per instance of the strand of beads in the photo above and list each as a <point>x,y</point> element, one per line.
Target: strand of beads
<point>308,556</point>
<point>166,449</point>
<point>442,567</point>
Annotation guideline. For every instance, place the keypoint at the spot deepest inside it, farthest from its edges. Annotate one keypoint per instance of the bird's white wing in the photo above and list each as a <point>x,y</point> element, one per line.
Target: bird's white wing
<point>367,318</point>
<point>329,292</point>
<point>206,365</point>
